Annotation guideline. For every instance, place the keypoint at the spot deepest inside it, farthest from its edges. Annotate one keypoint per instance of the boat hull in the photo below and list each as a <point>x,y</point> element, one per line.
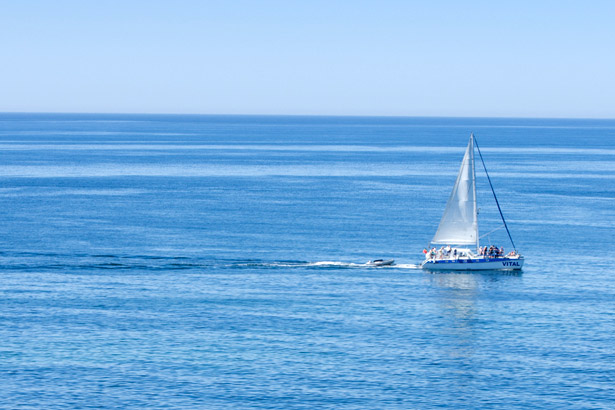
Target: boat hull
<point>381,262</point>
<point>473,264</point>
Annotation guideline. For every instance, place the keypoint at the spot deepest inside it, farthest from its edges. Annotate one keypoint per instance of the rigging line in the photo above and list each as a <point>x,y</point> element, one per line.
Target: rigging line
<point>490,232</point>
<point>493,191</point>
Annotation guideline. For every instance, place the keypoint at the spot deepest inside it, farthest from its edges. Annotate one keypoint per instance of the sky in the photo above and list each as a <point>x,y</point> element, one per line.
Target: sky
<point>391,58</point>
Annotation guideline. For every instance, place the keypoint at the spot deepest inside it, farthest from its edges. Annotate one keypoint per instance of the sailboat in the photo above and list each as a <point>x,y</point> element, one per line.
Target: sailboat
<point>458,230</point>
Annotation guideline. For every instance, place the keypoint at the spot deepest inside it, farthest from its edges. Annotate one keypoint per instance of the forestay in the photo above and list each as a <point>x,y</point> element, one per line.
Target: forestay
<point>459,224</point>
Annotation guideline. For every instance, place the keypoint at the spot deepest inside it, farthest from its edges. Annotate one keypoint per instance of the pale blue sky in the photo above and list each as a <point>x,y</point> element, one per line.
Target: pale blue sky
<point>410,58</point>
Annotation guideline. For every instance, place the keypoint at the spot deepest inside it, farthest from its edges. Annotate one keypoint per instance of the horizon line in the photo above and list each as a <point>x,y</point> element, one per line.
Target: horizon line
<point>306,115</point>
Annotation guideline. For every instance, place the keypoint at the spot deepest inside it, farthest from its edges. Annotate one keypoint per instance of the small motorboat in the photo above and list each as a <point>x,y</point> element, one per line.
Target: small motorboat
<point>381,262</point>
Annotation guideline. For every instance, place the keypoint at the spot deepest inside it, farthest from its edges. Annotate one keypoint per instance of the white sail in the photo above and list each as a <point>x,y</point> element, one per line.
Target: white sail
<point>459,224</point>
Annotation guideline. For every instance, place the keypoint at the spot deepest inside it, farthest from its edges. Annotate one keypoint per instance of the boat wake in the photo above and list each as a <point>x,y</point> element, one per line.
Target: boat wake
<point>32,261</point>
<point>324,265</point>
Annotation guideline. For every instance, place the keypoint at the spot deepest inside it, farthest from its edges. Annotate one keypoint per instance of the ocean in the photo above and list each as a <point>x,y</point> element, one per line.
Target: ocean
<point>218,262</point>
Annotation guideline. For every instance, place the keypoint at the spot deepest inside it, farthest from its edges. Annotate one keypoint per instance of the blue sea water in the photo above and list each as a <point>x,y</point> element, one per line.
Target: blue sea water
<point>216,262</point>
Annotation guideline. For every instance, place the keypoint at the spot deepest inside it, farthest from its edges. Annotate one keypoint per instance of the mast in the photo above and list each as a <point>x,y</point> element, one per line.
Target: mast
<point>474,191</point>
<point>494,196</point>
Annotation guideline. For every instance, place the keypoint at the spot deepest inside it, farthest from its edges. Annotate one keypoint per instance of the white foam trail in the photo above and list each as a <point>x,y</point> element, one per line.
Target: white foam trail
<point>406,266</point>
<point>324,264</point>
<point>363,265</point>
<point>332,263</point>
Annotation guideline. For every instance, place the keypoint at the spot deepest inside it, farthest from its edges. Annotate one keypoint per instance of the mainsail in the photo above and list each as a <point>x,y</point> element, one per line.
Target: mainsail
<point>459,224</point>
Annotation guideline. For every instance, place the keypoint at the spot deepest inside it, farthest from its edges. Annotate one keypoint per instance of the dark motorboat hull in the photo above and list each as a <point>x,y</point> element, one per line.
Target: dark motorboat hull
<point>381,262</point>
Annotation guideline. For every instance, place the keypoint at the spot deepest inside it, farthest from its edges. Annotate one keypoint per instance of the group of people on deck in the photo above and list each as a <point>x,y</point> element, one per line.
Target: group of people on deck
<point>446,252</point>
<point>492,251</point>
